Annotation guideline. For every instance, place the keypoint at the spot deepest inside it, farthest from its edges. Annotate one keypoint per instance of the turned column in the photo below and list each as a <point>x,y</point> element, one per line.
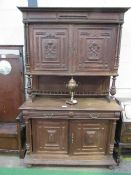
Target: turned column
<point>113,87</point>
<point>29,87</point>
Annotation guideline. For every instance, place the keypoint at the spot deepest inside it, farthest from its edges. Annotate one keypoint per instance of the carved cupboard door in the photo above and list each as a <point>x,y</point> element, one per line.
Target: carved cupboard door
<point>88,137</point>
<point>49,48</point>
<point>95,48</point>
<point>50,136</point>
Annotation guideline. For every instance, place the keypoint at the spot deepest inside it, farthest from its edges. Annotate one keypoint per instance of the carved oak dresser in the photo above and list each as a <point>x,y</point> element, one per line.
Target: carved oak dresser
<point>71,112</point>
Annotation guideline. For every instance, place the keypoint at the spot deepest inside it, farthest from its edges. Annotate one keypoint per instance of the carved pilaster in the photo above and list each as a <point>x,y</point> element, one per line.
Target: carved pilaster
<point>113,86</point>
<point>118,44</point>
<point>29,87</point>
<point>112,137</point>
<point>28,136</point>
<point>26,28</point>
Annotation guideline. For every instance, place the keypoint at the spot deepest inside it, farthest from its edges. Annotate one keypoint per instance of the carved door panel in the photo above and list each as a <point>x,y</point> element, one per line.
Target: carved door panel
<point>49,48</point>
<point>50,136</point>
<point>94,48</point>
<point>88,137</point>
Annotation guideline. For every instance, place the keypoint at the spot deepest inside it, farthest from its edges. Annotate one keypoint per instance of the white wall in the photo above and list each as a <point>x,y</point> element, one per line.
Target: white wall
<point>11,27</point>
<point>11,30</point>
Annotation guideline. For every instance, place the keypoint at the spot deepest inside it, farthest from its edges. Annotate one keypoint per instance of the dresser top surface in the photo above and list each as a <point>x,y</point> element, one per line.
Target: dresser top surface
<point>90,9</point>
<point>73,14</point>
<point>59,103</point>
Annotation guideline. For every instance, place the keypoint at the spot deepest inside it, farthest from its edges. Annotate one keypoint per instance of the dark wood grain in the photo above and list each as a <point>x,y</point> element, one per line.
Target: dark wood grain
<point>61,43</point>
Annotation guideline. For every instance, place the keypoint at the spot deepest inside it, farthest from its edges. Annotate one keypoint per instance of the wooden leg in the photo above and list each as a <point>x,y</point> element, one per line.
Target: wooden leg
<point>29,165</point>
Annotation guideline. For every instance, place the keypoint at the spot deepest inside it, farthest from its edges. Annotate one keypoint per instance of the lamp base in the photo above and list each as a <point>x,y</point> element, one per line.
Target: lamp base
<point>71,102</point>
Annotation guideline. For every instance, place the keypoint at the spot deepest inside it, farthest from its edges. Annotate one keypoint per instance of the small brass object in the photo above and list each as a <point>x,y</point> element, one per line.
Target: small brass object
<point>72,85</point>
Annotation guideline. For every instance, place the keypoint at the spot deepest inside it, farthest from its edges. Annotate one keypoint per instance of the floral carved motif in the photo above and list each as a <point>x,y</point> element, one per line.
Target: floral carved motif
<point>94,50</point>
<point>50,49</point>
<point>94,115</point>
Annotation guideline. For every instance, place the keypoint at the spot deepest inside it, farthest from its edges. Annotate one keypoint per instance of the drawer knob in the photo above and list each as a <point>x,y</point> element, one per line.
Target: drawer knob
<point>71,114</point>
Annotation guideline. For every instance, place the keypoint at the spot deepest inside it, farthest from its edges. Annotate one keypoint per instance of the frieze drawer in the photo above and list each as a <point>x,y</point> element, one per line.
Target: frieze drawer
<point>128,128</point>
<point>126,138</point>
<point>70,114</point>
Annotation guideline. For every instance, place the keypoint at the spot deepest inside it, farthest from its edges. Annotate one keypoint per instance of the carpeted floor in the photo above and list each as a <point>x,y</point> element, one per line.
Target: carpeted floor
<point>41,171</point>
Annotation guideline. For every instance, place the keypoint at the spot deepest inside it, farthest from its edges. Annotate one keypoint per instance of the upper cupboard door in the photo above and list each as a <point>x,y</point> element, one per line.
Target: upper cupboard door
<point>95,49</point>
<point>49,48</point>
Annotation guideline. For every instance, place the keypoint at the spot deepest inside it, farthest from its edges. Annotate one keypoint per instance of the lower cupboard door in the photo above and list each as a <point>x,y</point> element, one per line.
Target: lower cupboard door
<point>50,136</point>
<point>88,137</point>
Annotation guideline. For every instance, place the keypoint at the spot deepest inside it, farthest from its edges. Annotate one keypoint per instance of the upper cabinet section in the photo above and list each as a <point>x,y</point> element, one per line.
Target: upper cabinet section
<point>72,41</point>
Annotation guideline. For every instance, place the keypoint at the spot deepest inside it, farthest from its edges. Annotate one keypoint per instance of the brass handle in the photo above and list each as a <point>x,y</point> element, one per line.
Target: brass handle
<point>72,138</point>
<point>129,139</point>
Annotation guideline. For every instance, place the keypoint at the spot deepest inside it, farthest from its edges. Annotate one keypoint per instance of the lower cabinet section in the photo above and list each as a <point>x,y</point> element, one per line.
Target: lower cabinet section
<point>70,141</point>
<point>72,137</point>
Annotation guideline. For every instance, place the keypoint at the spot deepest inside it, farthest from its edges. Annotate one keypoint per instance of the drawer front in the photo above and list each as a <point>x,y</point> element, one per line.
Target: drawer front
<point>126,138</point>
<point>8,143</point>
<point>71,114</point>
<point>128,128</point>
